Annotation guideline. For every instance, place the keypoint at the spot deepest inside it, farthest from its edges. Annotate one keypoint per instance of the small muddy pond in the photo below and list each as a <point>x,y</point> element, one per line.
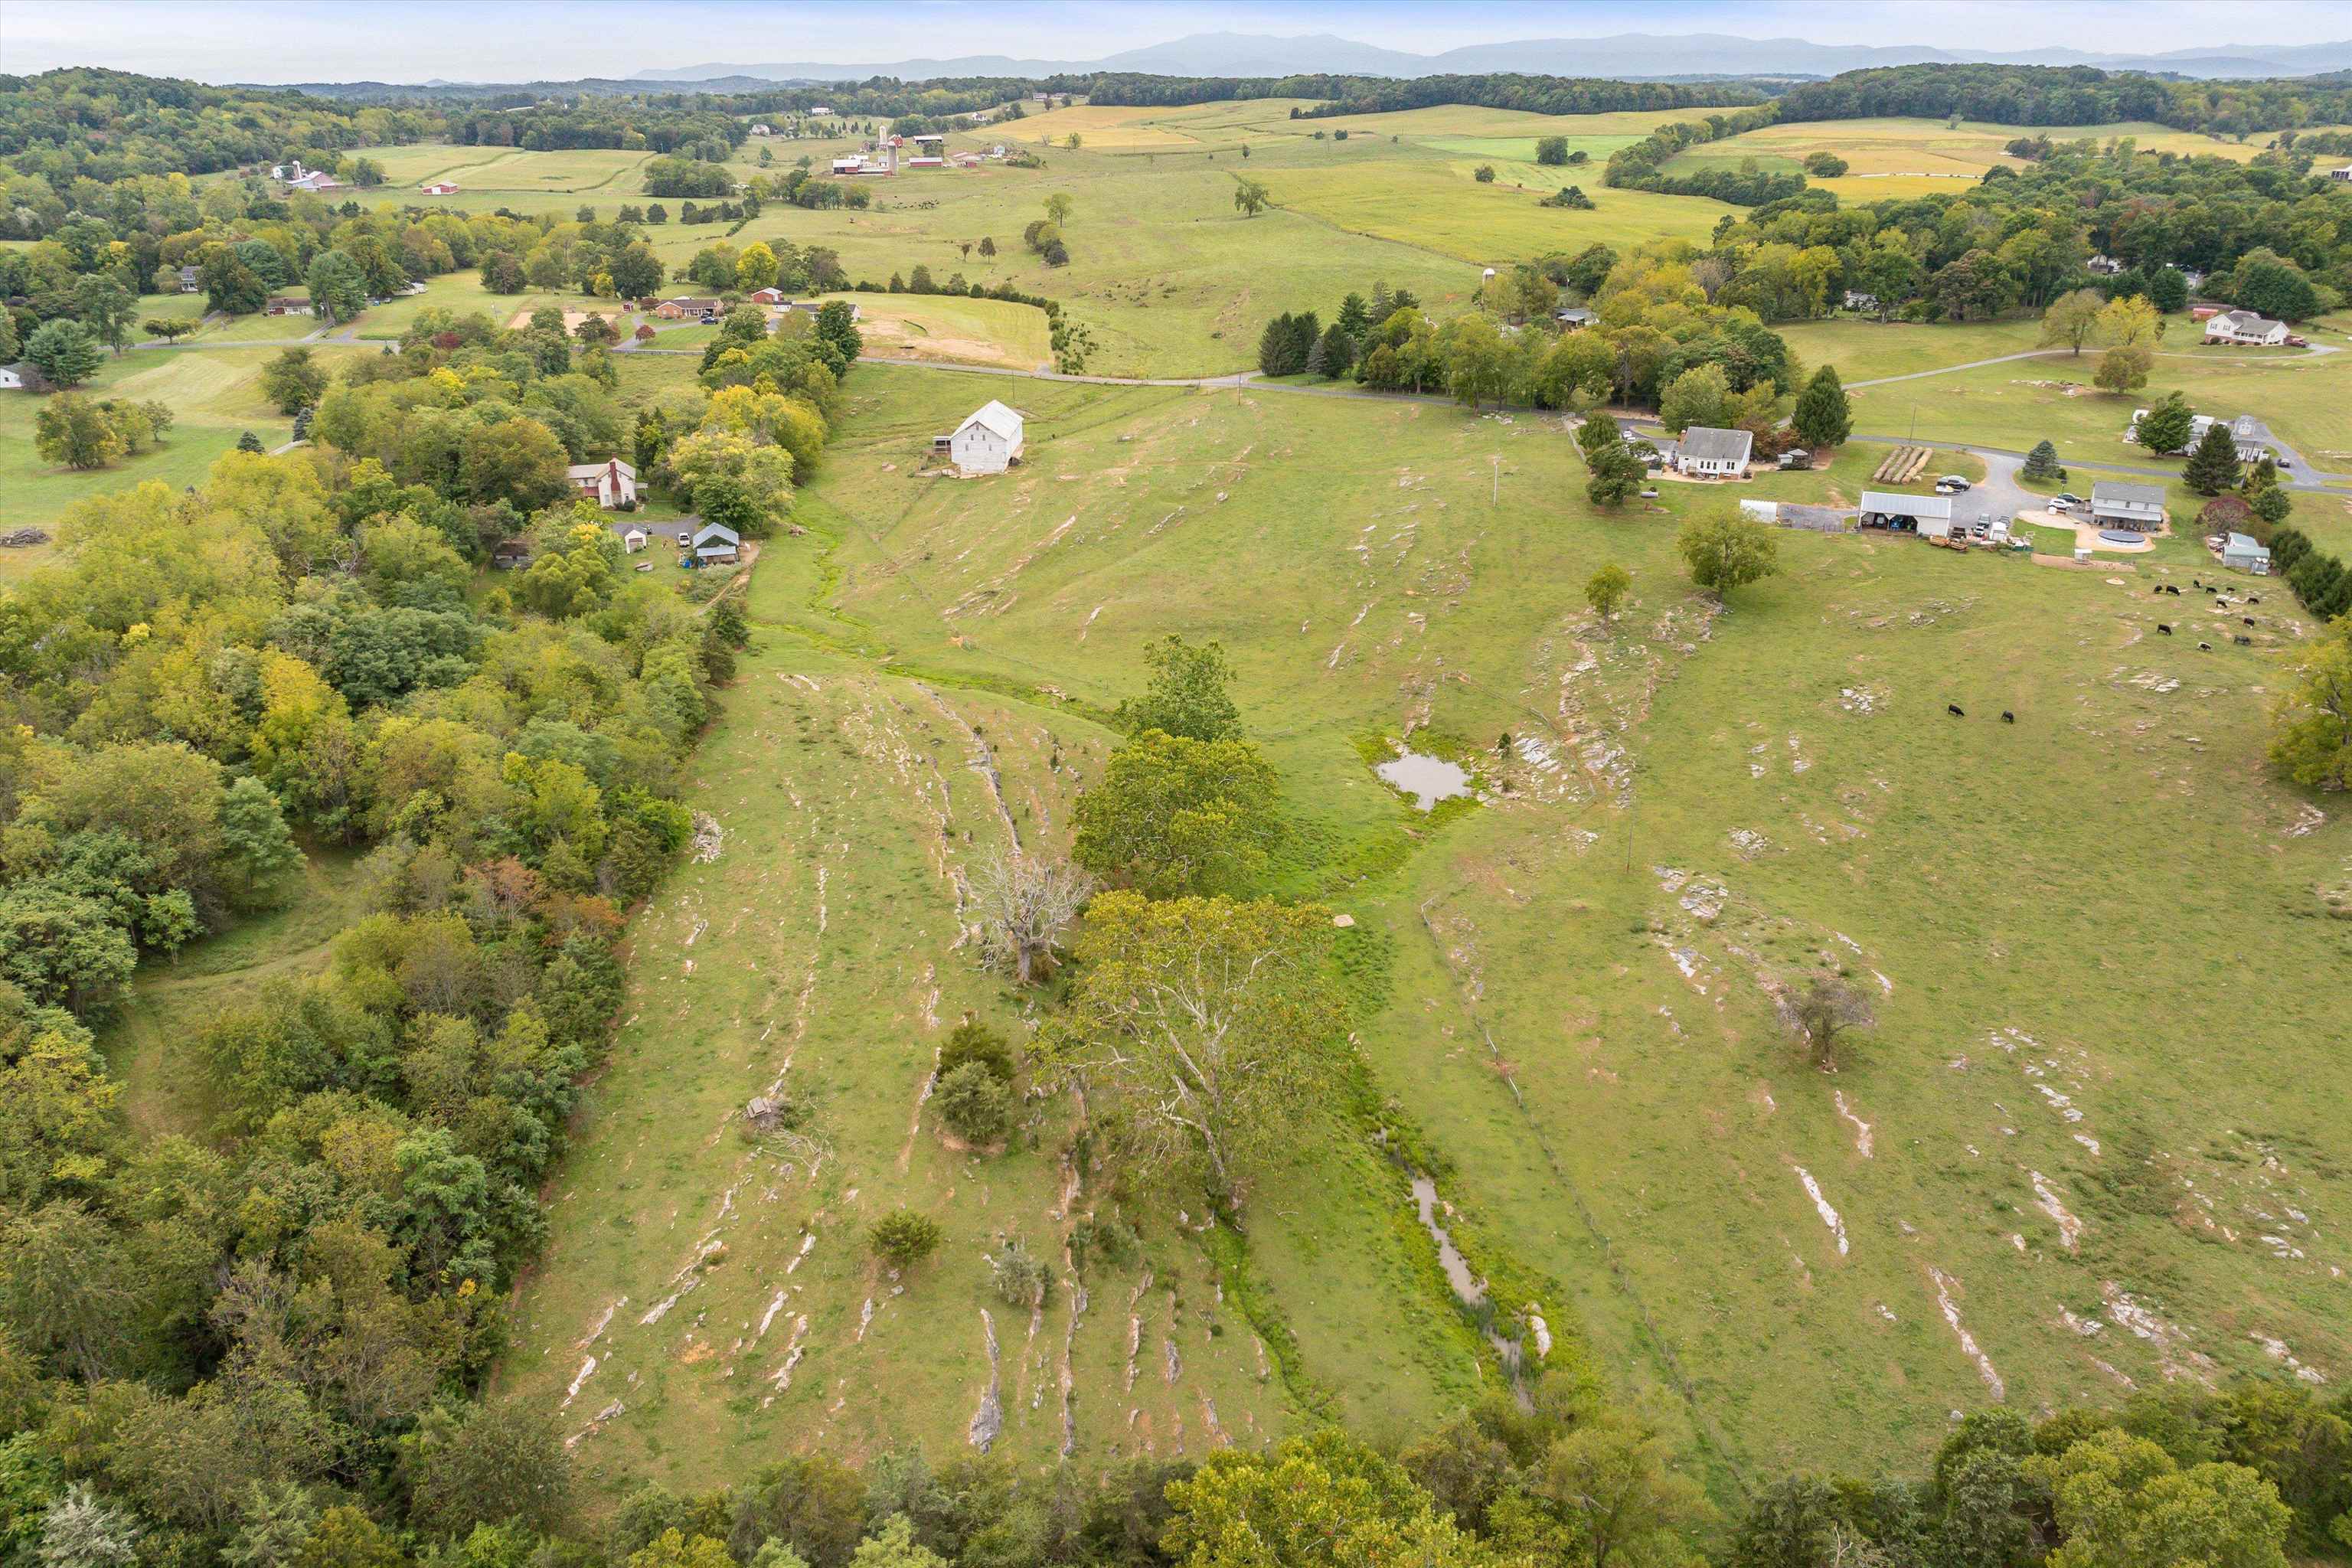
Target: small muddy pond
<point>1471,1291</point>
<point>1425,778</point>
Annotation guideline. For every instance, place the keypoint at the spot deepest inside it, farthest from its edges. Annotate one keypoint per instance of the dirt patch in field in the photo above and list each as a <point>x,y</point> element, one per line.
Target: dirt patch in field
<point>572,319</point>
<point>897,336</point>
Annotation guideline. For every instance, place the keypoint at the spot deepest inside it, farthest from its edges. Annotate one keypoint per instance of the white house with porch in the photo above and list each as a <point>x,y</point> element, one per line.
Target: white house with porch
<point>609,484</point>
<point>2244,327</point>
<point>988,442</point>
<point>1705,452</point>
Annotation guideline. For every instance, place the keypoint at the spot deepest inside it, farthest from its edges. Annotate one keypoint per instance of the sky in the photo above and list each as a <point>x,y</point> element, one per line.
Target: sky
<point>528,40</point>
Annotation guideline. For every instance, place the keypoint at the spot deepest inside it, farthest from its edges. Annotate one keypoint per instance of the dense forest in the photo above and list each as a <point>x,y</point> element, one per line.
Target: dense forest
<point>1372,95</point>
<point>2072,95</point>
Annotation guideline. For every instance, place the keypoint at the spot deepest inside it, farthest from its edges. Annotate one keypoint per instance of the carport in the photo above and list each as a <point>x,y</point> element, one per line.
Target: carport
<point>1931,516</point>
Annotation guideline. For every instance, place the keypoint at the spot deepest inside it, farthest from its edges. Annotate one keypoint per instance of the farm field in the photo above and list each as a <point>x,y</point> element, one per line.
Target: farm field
<point>1906,146</point>
<point>1164,273</point>
<point>416,162</point>
<point>958,330</point>
<point>1442,208</point>
<point>1562,992</point>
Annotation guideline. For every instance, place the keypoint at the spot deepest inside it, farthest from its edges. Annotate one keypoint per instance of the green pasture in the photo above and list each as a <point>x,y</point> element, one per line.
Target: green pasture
<point>216,398</point>
<point>1440,208</point>
<point>1564,991</point>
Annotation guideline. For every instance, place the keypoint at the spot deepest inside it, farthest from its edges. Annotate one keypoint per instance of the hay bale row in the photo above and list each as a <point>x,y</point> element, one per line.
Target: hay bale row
<point>1904,465</point>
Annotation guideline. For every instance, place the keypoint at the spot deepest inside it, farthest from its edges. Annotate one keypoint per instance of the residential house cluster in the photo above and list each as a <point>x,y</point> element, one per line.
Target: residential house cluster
<point>2253,436</point>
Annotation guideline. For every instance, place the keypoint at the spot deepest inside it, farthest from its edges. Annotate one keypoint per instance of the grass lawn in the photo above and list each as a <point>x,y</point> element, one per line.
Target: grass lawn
<point>215,396</point>
<point>605,172</point>
<point>1566,997</point>
<point>148,1043</point>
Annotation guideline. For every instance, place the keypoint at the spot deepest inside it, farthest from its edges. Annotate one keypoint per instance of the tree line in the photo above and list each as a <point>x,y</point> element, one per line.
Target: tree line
<point>2070,95</point>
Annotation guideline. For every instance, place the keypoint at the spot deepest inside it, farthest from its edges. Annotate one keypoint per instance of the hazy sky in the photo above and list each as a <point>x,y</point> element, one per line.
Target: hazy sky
<point>523,40</point>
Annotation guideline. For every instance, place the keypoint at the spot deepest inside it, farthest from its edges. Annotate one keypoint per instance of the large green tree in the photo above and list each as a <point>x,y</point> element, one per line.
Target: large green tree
<point>2123,1502</point>
<point>64,350</point>
<point>1172,814</point>
<point>1185,694</point>
<point>2166,427</point>
<point>2212,465</point>
<point>2311,741</point>
<point>1726,551</point>
<point>293,379</point>
<point>1200,1021</point>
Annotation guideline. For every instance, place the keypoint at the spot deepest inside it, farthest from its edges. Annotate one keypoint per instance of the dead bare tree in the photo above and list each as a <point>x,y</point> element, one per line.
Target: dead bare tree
<point>1820,1013</point>
<point>1026,902</point>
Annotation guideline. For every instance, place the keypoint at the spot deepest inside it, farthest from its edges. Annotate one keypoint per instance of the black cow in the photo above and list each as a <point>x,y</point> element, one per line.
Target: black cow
<point>2253,598</point>
<point>1954,709</point>
<point>2205,648</point>
<point>2007,717</point>
<point>2248,619</point>
<point>2165,629</point>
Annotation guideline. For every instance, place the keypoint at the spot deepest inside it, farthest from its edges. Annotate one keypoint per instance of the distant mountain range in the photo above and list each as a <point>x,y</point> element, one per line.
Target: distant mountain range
<point>1624,54</point>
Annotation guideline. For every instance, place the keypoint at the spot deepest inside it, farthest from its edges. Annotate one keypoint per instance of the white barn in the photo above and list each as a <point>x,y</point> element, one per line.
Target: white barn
<point>989,442</point>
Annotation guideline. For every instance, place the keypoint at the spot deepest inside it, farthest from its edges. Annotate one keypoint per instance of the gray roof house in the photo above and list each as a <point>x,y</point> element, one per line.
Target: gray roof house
<point>2239,552</point>
<point>1708,450</point>
<point>1574,316</point>
<point>2116,504</point>
<point>716,541</point>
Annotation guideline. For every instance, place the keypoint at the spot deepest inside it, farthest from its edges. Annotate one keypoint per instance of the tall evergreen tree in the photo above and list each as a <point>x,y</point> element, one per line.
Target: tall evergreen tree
<point>2213,465</point>
<point>1823,417</point>
<point>2041,463</point>
<point>2165,427</point>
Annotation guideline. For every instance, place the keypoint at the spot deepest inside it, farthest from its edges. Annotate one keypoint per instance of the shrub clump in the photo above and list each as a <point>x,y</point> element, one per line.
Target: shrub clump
<point>903,1238</point>
<point>1019,1275</point>
<point>975,1104</point>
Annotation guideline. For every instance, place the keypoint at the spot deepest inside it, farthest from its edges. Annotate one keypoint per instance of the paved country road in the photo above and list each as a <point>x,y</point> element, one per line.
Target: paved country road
<point>2301,477</point>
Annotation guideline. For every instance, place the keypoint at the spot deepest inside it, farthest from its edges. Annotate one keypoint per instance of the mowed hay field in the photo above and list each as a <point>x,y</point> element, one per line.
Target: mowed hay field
<point>1907,146</point>
<point>953,330</point>
<point>2080,1106</point>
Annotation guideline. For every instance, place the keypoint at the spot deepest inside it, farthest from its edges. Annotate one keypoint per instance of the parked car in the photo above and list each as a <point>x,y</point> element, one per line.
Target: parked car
<point>685,536</point>
<point>1951,484</point>
<point>2065,499</point>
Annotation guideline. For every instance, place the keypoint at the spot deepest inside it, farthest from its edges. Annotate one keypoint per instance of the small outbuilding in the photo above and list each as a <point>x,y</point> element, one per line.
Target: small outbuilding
<point>11,378</point>
<point>716,544</point>
<point>438,188</point>
<point>1929,516</point>
<point>2116,504</point>
<point>1573,318</point>
<point>988,442</point>
<point>2239,552</point>
<point>1705,452</point>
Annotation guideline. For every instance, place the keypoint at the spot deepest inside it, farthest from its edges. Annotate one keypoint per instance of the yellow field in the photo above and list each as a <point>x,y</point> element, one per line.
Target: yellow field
<point>1116,128</point>
<point>1436,208</point>
<point>959,331</point>
<point>1865,188</point>
<point>1896,146</point>
<point>1468,120</point>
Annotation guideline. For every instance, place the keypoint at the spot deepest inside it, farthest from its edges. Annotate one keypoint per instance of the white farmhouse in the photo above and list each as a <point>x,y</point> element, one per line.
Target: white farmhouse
<point>2244,327</point>
<point>1708,452</point>
<point>609,484</point>
<point>989,442</point>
